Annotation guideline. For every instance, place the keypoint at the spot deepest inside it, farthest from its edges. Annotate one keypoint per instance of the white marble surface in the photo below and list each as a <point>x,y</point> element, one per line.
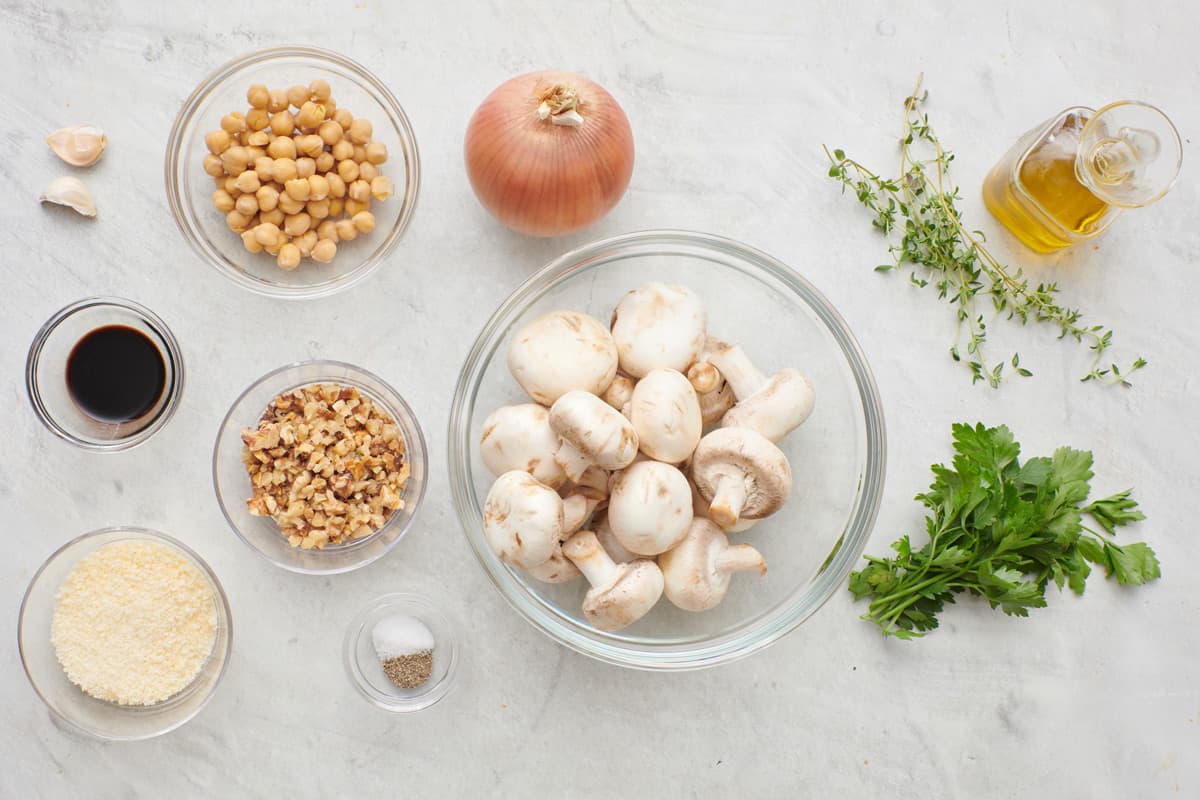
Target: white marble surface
<point>1094,697</point>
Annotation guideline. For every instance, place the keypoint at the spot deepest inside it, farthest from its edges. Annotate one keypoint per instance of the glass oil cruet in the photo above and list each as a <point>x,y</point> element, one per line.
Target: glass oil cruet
<point>1066,180</point>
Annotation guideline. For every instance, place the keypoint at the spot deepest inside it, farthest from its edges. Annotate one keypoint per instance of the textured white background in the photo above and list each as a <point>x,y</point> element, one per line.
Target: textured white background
<point>1094,697</point>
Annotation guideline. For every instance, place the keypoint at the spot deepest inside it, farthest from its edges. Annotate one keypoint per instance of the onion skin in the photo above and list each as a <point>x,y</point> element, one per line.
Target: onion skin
<point>543,179</point>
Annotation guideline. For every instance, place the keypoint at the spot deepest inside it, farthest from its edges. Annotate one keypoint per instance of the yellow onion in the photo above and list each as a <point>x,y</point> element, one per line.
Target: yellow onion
<point>549,153</point>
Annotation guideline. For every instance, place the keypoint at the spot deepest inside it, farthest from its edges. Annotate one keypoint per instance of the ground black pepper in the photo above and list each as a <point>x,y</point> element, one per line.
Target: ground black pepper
<point>409,671</point>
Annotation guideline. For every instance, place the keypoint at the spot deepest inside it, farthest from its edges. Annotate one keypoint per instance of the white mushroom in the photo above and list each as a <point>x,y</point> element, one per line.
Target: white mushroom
<point>650,507</point>
<point>700,509</point>
<point>772,406</point>
<point>666,415</point>
<point>741,474</point>
<point>520,437</point>
<point>658,326</point>
<point>556,569</point>
<point>696,572</point>
<point>619,392</point>
<point>562,351</point>
<point>621,594</point>
<point>592,432</point>
<point>715,395</point>
<point>522,519</point>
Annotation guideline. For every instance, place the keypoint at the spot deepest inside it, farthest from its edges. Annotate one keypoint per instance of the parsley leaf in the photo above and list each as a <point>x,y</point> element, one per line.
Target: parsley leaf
<point>1001,530</point>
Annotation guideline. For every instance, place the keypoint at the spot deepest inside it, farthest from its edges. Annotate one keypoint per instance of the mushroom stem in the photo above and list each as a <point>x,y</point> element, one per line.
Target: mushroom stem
<point>585,552</point>
<point>738,370</point>
<point>576,509</point>
<point>728,500</point>
<point>572,460</point>
<point>740,558</point>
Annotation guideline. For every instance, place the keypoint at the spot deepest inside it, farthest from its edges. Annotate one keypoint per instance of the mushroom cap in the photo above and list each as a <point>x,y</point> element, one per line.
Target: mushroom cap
<point>743,454</point>
<point>556,569</point>
<point>520,437</point>
<point>650,507</point>
<point>693,577</point>
<point>780,406</point>
<point>595,429</point>
<point>658,326</point>
<point>636,588</point>
<point>561,351</point>
<point>665,412</point>
<point>522,519</point>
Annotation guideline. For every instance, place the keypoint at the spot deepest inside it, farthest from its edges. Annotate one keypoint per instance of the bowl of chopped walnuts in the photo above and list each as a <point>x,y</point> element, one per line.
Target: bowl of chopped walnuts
<point>320,467</point>
<point>293,171</point>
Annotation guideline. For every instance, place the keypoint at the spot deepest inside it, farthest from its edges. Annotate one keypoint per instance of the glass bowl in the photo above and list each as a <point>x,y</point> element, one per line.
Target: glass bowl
<point>837,456</point>
<point>365,671</point>
<point>189,188</point>
<point>232,484</point>
<point>46,371</point>
<point>65,700</point>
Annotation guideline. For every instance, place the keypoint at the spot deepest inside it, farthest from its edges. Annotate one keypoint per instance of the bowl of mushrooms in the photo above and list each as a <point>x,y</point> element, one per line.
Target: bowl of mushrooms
<point>667,450</point>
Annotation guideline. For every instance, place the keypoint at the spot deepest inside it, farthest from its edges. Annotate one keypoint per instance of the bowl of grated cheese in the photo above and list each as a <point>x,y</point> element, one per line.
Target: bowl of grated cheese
<point>124,633</point>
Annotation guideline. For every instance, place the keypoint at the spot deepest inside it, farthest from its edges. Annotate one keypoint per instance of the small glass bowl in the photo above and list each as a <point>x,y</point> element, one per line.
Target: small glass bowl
<point>190,188</point>
<point>65,700</point>
<point>366,672</point>
<point>46,374</point>
<point>232,484</point>
<point>837,456</point>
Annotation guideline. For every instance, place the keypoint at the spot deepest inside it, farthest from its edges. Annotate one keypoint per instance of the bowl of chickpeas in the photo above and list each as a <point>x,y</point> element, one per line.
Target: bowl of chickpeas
<point>293,171</point>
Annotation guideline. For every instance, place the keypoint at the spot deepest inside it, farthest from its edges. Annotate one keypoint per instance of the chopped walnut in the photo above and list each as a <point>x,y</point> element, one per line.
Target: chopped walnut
<point>326,463</point>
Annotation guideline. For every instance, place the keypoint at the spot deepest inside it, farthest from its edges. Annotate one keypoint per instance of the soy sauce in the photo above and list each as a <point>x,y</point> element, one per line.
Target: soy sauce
<point>116,374</point>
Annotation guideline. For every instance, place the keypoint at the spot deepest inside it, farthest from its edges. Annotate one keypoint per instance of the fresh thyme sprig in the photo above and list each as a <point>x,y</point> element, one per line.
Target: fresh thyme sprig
<point>921,204</point>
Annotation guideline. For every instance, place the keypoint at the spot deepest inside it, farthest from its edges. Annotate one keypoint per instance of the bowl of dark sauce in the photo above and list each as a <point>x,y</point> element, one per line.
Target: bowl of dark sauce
<point>104,374</point>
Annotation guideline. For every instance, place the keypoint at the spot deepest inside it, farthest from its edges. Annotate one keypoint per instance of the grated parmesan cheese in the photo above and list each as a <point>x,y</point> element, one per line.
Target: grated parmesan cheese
<point>133,623</point>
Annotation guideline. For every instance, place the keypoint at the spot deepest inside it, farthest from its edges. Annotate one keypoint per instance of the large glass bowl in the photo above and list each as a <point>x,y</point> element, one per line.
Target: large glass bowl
<point>65,700</point>
<point>233,488</point>
<point>837,456</point>
<point>189,188</point>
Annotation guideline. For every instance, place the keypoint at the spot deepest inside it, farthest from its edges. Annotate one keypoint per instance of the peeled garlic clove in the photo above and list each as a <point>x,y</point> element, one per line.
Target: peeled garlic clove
<point>79,146</point>
<point>70,191</point>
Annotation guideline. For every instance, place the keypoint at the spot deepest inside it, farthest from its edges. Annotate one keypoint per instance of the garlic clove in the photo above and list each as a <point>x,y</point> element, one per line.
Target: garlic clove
<point>70,191</point>
<point>79,145</point>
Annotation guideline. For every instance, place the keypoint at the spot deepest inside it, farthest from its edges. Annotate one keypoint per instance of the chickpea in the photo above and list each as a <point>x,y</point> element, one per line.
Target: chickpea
<point>324,251</point>
<point>367,171</point>
<point>278,101</point>
<point>354,207</point>
<point>310,115</point>
<point>289,204</point>
<point>337,186</point>
<point>289,256</point>
<point>257,138</point>
<point>320,90</point>
<point>217,141</point>
<point>297,95</point>
<point>347,170</point>
<point>346,230</point>
<point>318,187</point>
<point>364,221</point>
<point>251,244</point>
<point>325,162</point>
<point>212,165</point>
<point>311,145</point>
<point>336,206</point>
<point>282,147</point>
<point>237,221</point>
<point>233,122</point>
<point>305,167</point>
<point>254,153</point>
<point>359,190</point>
<point>377,152</point>
<point>327,230</point>
<point>223,201</point>
<point>360,131</point>
<point>282,123</point>
<point>296,224</point>
<point>247,204</point>
<point>258,119</point>
<point>298,188</point>
<point>274,216</point>
<point>273,249</point>
<point>267,197</point>
<point>234,160</point>
<point>258,96</point>
<point>285,169</point>
<point>267,233</point>
<point>381,187</point>
<point>317,209</point>
<point>248,182</point>
<point>342,149</point>
<point>330,132</point>
<point>229,184</point>
<point>360,153</point>
<point>344,118</point>
<point>305,243</point>
<point>264,167</point>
